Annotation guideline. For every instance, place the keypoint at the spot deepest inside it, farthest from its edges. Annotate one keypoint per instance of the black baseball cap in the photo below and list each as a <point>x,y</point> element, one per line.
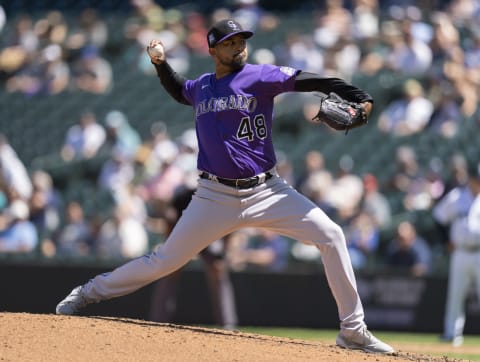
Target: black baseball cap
<point>224,29</point>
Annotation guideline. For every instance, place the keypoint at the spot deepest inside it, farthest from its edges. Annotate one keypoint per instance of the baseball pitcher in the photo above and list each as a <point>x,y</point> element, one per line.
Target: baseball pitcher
<point>238,185</point>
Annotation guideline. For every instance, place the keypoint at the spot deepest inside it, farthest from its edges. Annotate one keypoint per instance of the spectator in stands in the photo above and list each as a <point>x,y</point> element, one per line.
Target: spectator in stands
<point>409,251</point>
<point>464,11</point>
<point>147,13</point>
<point>447,114</point>
<point>425,190</point>
<point>84,139</point>
<point>46,73</point>
<point>51,28</point>
<point>332,23</point>
<point>407,169</point>
<point>23,35</point>
<point>445,37</point>
<point>55,70</point>
<point>313,161</point>
<point>300,50</point>
<point>363,238</point>
<point>159,190</point>
<point>18,49</point>
<point>177,168</point>
<point>74,237</point>
<point>345,194</point>
<point>366,22</point>
<point>186,158</point>
<point>196,30</point>
<point>13,172</point>
<point>45,205</point>
<point>374,53</point>
<point>121,136</point>
<point>465,84</point>
<point>284,167</point>
<point>92,73</point>
<point>457,174</point>
<point>409,114</point>
<point>17,233</point>
<point>133,201</point>
<point>265,250</point>
<point>375,203</point>
<point>317,187</point>
<point>34,59</point>
<point>122,235</point>
<point>152,153</point>
<point>343,59</point>
<point>253,16</point>
<point>410,53</point>
<point>116,174</point>
<point>90,29</point>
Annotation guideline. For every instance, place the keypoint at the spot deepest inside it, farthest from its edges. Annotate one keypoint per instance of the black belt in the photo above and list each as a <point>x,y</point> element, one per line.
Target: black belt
<point>240,183</point>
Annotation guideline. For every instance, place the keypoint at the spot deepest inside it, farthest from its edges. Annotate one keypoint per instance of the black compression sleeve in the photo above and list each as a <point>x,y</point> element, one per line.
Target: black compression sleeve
<point>310,82</point>
<point>171,81</point>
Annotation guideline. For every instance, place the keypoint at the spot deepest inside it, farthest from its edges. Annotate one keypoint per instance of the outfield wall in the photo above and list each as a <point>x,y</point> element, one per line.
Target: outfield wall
<point>392,302</point>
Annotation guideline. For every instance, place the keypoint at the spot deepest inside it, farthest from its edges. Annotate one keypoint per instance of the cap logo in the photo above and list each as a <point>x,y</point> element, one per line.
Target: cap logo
<point>232,25</point>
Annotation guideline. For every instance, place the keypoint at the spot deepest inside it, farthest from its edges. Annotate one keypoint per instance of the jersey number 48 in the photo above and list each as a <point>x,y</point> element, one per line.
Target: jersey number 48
<point>249,131</point>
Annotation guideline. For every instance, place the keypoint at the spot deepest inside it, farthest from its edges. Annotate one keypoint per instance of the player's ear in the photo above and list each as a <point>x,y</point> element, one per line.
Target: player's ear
<point>211,51</point>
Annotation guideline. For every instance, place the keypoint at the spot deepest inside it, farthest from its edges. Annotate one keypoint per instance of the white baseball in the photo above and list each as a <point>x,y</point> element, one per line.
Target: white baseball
<point>156,51</point>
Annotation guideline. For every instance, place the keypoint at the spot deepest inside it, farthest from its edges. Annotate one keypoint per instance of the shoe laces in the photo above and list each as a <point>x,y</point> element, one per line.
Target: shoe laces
<point>367,336</point>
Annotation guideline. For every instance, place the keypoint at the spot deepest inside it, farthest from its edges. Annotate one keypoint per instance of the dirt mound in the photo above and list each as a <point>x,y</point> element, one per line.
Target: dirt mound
<point>42,337</point>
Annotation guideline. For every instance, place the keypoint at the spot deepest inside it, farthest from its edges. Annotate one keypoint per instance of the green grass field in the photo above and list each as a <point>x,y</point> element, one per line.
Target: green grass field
<point>426,344</point>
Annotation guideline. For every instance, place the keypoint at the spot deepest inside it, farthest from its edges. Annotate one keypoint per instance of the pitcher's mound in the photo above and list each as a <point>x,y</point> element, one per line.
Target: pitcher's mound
<point>41,337</point>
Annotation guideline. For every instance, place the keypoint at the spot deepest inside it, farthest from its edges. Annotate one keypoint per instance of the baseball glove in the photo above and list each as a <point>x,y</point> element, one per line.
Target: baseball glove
<point>339,113</point>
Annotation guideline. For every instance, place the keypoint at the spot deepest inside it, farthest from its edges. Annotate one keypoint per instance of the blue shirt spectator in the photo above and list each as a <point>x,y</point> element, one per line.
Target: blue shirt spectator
<point>18,234</point>
<point>266,250</point>
<point>362,239</point>
<point>409,251</point>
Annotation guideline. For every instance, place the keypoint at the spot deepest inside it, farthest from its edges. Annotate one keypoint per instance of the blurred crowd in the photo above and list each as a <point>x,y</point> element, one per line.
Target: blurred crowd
<point>147,180</point>
<point>434,43</point>
<point>436,49</point>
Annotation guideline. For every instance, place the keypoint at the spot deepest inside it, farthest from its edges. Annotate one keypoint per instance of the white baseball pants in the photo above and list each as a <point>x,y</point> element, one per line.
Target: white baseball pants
<point>217,210</point>
<point>464,271</point>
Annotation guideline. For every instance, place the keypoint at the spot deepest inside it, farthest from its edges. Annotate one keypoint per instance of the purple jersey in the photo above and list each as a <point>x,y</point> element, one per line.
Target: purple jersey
<point>233,117</point>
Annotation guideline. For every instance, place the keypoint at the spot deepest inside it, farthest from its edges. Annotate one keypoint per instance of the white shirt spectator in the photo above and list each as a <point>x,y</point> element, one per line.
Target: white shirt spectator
<point>83,140</point>
<point>116,174</point>
<point>122,236</point>
<point>409,114</point>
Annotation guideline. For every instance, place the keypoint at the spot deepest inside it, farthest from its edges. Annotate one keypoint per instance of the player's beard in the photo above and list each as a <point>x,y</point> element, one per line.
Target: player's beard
<point>236,62</point>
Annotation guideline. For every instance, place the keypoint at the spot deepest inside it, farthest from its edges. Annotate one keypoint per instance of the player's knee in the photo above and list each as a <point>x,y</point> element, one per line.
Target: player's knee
<point>333,236</point>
